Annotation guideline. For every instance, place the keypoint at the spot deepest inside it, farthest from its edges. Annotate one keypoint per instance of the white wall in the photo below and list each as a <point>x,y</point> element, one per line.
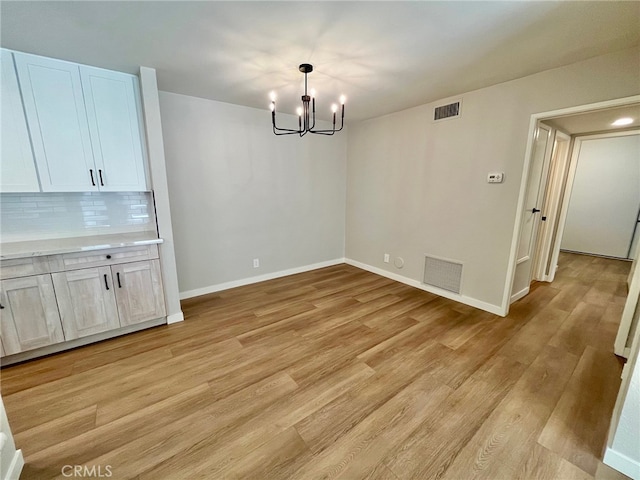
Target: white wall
<point>415,187</point>
<point>626,443</point>
<point>238,192</point>
<point>623,444</point>
<point>605,196</point>
<point>11,460</point>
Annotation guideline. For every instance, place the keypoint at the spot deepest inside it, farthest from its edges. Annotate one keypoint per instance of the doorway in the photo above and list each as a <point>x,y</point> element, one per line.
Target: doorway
<point>546,186</point>
<point>605,195</point>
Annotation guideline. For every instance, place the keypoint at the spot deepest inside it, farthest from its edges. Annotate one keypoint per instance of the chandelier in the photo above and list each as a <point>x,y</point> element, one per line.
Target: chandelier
<point>306,115</point>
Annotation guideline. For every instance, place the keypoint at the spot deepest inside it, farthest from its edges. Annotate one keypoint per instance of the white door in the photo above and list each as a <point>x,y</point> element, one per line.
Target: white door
<point>87,301</point>
<point>17,165</point>
<point>57,120</point>
<point>547,250</point>
<point>605,197</point>
<point>112,110</point>
<point>29,314</point>
<point>540,155</point>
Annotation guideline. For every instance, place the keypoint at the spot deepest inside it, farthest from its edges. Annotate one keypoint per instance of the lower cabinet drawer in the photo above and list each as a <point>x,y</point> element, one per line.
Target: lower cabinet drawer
<point>99,258</point>
<point>23,267</point>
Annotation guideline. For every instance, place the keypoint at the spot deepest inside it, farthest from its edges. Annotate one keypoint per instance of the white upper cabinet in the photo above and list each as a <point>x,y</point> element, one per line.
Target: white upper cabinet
<point>57,120</point>
<point>111,99</point>
<point>84,124</point>
<point>17,166</point>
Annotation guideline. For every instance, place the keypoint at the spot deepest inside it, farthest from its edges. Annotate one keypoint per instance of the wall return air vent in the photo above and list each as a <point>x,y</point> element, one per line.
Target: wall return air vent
<point>443,274</point>
<point>444,112</point>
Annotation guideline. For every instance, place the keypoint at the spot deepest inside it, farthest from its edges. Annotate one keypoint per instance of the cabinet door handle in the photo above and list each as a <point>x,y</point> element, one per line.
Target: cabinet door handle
<point>118,277</point>
<point>93,181</point>
<point>106,285</point>
<point>100,173</point>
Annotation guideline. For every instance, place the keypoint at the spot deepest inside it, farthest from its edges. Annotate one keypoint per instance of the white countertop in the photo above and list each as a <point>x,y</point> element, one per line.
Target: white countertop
<point>55,246</point>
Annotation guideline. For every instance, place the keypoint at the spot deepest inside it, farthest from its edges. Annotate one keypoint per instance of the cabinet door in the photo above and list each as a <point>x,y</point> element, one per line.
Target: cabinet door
<point>111,99</point>
<point>139,291</point>
<point>87,301</point>
<point>17,165</point>
<point>29,318</point>
<point>57,119</point>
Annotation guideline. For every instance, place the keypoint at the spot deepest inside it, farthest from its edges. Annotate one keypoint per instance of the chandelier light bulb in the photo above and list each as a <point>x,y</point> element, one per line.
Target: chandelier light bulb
<point>334,108</point>
<point>313,93</point>
<point>272,106</point>
<point>299,111</point>
<point>343,99</point>
<point>272,96</point>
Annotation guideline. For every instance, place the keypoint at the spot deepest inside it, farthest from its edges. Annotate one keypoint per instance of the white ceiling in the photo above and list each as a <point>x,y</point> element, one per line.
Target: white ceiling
<point>385,56</point>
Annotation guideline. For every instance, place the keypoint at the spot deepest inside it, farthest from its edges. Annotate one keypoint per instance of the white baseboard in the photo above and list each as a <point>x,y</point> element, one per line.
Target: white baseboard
<point>175,318</point>
<point>487,307</point>
<point>622,463</point>
<point>517,296</point>
<point>260,278</point>
<point>15,468</point>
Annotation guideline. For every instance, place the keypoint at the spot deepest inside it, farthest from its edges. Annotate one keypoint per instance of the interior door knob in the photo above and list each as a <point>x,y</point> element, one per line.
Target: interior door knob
<point>535,210</point>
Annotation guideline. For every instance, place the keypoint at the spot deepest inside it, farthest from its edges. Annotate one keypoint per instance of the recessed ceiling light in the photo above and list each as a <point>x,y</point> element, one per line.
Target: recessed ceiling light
<point>622,121</point>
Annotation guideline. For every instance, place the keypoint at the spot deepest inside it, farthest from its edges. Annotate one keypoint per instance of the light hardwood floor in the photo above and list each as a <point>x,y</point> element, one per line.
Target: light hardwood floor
<point>338,373</point>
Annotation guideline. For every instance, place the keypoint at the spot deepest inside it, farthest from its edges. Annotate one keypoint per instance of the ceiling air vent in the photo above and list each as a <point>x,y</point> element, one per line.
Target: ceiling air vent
<point>443,274</point>
<point>447,111</point>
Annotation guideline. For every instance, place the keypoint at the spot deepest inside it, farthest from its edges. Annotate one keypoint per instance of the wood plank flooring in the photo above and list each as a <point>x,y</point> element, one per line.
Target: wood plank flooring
<point>338,373</point>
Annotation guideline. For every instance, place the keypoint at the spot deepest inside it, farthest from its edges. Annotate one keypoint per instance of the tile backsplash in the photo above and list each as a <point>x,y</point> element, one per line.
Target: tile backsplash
<point>31,216</point>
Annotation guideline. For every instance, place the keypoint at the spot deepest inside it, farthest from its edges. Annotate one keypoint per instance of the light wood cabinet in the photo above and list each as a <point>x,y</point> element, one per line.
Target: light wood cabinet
<point>29,318</point>
<point>85,125</point>
<point>94,300</point>
<point>49,300</point>
<point>139,293</point>
<point>87,302</point>
<point>17,164</point>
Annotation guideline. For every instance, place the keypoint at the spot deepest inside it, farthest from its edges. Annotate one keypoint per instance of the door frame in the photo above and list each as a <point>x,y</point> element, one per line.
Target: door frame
<point>533,122</point>
<point>573,166</point>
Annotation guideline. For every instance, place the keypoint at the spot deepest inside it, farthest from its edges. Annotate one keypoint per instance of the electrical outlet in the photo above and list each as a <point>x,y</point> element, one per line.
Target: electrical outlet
<point>386,258</point>
<point>256,263</point>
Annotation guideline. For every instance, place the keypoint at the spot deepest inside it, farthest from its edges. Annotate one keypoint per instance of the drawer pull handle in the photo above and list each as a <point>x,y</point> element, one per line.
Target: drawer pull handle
<point>1,307</point>
<point>118,277</point>
<point>108,257</point>
<point>106,285</point>
<point>93,182</point>
<point>100,173</point>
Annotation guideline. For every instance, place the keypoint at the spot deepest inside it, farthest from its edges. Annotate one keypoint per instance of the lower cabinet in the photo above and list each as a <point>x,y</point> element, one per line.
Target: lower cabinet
<point>86,301</point>
<point>139,292</point>
<point>85,294</point>
<point>95,300</point>
<point>29,314</point>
